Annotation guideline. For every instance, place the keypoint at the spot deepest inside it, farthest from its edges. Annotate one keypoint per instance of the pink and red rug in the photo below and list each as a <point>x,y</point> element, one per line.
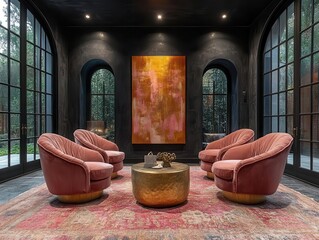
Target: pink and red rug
<point>37,214</point>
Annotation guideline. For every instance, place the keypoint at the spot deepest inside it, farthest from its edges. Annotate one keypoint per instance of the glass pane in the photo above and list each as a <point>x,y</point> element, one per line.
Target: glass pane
<point>30,125</point>
<point>315,127</point>
<point>267,62</point>
<point>14,153</point>
<point>37,57</point>
<point>42,60</point>
<point>4,13</point>
<point>282,124</point>
<point>15,16</point>
<point>305,155</point>
<point>306,13</point>
<point>283,28</point>
<point>282,54</point>
<point>267,84</point>
<point>305,72</point>
<point>305,121</point>
<point>3,41</point>
<point>306,43</point>
<point>42,103</point>
<point>15,99</point>
<point>316,15</point>
<point>282,79</point>
<point>31,150</point>
<point>49,83</point>
<point>49,104</point>
<point>208,113</point>
<point>282,103</point>
<point>291,20</point>
<point>275,34</point>
<point>267,45</point>
<point>42,38</point>
<point>15,125</point>
<point>290,46</point>
<point>274,104</point>
<point>37,102</point>
<point>220,116</point>
<point>315,67</point>
<point>274,124</point>
<point>274,58</point>
<point>14,46</point>
<point>316,38</point>
<point>30,26</point>
<point>14,73</point>
<point>4,98</point>
<point>38,124</point>
<point>30,54</point>
<point>290,102</point>
<point>4,150</point>
<point>290,76</point>
<point>267,106</point>
<point>48,67</point>
<point>42,82</point>
<point>267,125</point>
<point>3,69</point>
<point>48,47</point>
<point>208,82</point>
<point>110,116</point>
<point>315,98</point>
<point>30,78</point>
<point>290,124</point>
<point>37,32</point>
<point>274,80</point>
<point>30,102</point>
<point>315,159</point>
<point>49,124</point>
<point>305,96</point>
<point>37,80</point>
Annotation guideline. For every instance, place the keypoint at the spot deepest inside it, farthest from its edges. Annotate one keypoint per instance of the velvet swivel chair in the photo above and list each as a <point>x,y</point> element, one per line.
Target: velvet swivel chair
<point>74,173</point>
<point>215,150</point>
<point>248,173</point>
<point>109,150</point>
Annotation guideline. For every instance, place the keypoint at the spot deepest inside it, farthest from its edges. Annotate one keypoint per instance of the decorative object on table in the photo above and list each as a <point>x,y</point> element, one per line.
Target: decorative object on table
<point>150,160</point>
<point>166,157</point>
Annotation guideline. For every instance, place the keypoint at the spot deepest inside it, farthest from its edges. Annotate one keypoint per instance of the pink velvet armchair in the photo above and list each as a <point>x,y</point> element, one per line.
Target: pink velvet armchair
<point>72,172</point>
<point>106,148</point>
<point>214,151</point>
<point>248,173</point>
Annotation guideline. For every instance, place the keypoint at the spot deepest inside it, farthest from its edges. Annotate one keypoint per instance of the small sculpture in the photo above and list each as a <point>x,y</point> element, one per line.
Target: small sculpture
<point>166,157</point>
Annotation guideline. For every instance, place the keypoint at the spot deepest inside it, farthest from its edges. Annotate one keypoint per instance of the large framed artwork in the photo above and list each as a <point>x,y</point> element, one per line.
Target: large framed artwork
<point>158,99</point>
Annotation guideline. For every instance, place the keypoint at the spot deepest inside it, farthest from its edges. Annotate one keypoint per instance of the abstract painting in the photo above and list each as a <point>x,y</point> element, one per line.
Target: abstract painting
<point>158,99</point>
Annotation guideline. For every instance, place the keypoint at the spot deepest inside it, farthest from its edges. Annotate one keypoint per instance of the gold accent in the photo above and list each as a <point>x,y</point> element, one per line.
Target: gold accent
<point>162,187</point>
<point>80,198</point>
<point>114,175</point>
<point>210,175</point>
<point>244,198</point>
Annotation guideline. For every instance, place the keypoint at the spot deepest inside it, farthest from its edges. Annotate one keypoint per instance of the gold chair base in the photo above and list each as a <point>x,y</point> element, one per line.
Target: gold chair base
<point>114,175</point>
<point>210,175</point>
<point>80,198</point>
<point>244,198</point>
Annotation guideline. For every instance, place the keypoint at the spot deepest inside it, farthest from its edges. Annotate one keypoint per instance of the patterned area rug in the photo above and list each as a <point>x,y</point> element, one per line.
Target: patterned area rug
<point>37,214</point>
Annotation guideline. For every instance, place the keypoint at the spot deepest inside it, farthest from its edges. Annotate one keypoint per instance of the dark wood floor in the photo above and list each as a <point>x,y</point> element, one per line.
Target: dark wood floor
<point>13,188</point>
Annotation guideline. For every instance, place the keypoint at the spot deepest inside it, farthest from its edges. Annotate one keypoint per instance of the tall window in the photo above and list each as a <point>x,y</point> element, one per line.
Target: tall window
<point>25,84</point>
<point>103,100</point>
<point>214,101</point>
<point>281,87</point>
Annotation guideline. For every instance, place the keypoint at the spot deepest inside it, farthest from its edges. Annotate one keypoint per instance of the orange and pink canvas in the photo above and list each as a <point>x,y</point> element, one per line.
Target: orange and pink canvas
<point>158,99</point>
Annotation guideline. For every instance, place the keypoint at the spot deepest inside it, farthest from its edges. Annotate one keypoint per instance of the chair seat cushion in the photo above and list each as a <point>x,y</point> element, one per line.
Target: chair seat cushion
<point>115,156</point>
<point>99,170</point>
<point>208,155</point>
<point>225,169</point>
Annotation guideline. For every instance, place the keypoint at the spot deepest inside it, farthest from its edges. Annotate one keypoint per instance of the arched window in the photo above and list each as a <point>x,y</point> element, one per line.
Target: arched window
<point>215,101</point>
<point>102,101</point>
<point>26,95</point>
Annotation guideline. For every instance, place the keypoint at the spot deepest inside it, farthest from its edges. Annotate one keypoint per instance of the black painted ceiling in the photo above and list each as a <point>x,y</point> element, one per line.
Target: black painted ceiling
<point>144,12</point>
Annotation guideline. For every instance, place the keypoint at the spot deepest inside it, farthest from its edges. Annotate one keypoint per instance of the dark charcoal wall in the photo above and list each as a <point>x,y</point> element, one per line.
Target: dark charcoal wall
<point>117,45</point>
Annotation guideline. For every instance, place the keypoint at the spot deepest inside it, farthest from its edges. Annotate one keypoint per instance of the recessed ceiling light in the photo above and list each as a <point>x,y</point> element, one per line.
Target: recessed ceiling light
<point>224,16</point>
<point>159,17</point>
<point>87,16</point>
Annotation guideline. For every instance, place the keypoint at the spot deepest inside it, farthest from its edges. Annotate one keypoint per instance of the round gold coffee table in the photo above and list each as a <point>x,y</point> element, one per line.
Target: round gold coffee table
<point>162,187</point>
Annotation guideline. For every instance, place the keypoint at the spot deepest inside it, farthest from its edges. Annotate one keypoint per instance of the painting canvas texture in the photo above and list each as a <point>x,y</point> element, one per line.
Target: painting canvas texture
<point>158,99</point>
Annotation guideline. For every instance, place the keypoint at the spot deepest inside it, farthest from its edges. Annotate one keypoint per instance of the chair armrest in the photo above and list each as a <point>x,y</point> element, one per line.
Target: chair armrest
<point>217,144</point>
<point>108,145</point>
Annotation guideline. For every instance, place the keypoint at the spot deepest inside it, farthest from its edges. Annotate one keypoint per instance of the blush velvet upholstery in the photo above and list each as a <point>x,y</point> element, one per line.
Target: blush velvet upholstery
<point>69,168</point>
<point>254,168</point>
<point>106,148</point>
<point>214,151</point>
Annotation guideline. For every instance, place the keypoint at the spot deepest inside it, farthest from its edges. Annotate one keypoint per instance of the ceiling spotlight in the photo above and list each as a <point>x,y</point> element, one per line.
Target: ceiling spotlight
<point>224,16</point>
<point>159,17</point>
<point>87,16</point>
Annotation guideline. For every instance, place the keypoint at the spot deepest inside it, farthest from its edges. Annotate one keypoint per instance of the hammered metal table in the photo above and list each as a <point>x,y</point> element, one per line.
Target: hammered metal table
<point>162,187</point>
